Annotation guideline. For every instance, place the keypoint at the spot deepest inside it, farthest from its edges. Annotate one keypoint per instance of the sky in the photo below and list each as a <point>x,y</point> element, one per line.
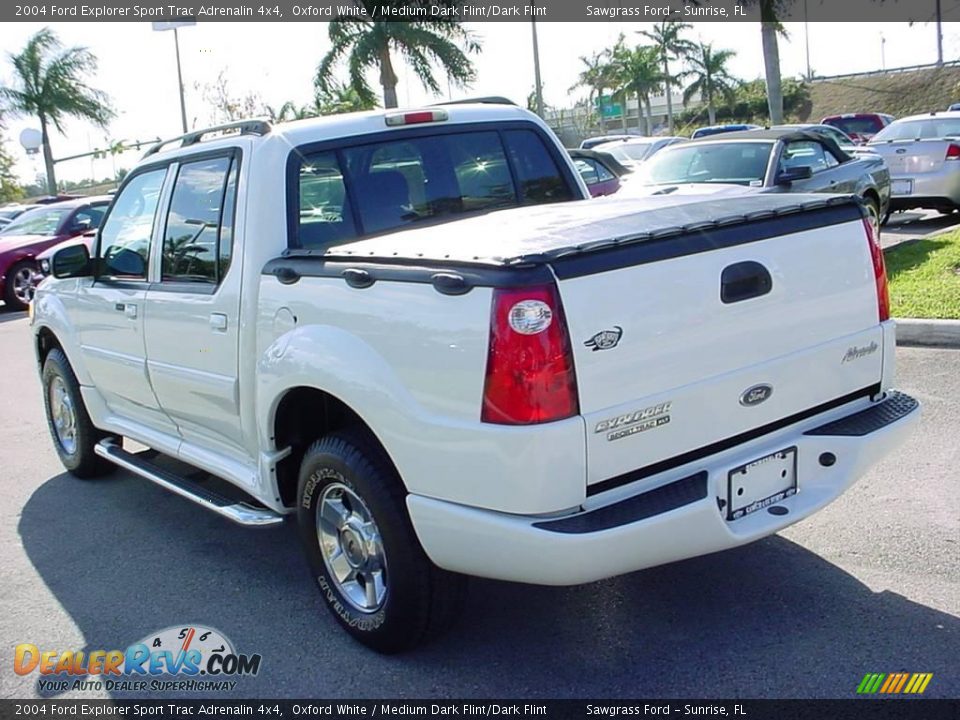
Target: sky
<point>277,61</point>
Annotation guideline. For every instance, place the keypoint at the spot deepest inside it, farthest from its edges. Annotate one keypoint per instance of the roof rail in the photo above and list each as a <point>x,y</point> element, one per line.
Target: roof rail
<point>255,126</point>
<point>486,100</point>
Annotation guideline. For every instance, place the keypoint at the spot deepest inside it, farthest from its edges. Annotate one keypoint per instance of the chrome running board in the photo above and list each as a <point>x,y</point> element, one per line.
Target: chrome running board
<point>238,512</point>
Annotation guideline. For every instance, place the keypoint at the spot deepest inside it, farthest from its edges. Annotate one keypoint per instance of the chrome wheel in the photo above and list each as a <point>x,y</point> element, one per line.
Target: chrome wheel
<point>351,548</point>
<point>64,416</point>
<point>873,217</point>
<point>22,281</point>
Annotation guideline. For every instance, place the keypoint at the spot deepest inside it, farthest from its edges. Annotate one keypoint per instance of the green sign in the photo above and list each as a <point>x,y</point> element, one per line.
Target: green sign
<point>608,108</point>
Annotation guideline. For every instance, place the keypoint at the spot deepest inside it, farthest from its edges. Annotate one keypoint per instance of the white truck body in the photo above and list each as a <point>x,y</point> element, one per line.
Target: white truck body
<point>704,336</point>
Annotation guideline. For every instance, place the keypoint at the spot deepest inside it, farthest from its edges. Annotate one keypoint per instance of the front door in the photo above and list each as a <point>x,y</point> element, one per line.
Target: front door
<point>110,306</point>
<point>192,322</point>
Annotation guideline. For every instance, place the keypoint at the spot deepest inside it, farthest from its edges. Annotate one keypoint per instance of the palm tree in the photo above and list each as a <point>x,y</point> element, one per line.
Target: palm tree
<point>596,76</point>
<point>666,36</point>
<point>708,70</point>
<point>643,78</point>
<point>49,83</point>
<point>366,44</point>
<point>770,27</point>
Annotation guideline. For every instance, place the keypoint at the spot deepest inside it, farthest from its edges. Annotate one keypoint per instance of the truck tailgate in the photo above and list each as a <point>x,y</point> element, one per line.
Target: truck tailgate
<point>689,340</point>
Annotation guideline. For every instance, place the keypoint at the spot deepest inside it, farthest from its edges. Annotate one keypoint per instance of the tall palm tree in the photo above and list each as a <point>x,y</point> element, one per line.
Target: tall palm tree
<point>49,82</point>
<point>644,78</point>
<point>367,44</point>
<point>710,78</point>
<point>770,27</point>
<point>666,36</point>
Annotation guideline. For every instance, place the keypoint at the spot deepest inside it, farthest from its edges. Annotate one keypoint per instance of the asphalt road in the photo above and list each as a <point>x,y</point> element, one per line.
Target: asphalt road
<point>871,584</point>
<point>915,224</point>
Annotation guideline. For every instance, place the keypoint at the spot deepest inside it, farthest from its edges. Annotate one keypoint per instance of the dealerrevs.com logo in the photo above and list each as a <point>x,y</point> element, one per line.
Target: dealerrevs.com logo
<point>197,657</point>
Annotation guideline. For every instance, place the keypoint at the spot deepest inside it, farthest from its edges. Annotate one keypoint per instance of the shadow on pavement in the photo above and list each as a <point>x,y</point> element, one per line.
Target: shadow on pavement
<point>772,619</point>
<point>8,315</point>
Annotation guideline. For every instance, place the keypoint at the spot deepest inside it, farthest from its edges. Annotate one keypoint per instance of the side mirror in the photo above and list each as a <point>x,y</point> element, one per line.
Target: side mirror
<point>125,262</point>
<point>800,172</point>
<point>71,261</point>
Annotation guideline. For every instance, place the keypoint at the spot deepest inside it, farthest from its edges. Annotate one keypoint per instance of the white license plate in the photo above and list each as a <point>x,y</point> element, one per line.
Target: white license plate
<point>901,187</point>
<point>761,483</point>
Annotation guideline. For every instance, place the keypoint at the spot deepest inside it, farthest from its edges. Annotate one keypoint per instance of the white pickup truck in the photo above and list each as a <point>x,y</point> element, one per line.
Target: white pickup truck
<point>412,331</point>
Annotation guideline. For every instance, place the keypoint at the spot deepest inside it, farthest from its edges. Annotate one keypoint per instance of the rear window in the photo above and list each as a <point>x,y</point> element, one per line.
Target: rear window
<point>857,126</point>
<point>924,129</point>
<point>378,187</point>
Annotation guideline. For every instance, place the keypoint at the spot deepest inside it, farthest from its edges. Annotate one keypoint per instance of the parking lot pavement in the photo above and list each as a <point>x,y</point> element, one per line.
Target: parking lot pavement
<point>871,584</point>
<point>913,224</point>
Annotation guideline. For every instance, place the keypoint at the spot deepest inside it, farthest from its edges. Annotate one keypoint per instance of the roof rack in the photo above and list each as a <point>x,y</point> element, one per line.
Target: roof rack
<point>255,126</point>
<point>486,100</point>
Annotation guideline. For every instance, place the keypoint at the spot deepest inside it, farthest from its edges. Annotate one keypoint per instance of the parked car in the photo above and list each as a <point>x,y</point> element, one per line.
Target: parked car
<point>764,161</point>
<point>510,383</point>
<point>35,231</point>
<point>601,171</point>
<point>58,198</point>
<point>9,213</point>
<point>923,154</point>
<point>860,127</point>
<point>592,142</point>
<point>718,129</point>
<point>954,107</point>
<point>844,141</point>
<point>634,152</point>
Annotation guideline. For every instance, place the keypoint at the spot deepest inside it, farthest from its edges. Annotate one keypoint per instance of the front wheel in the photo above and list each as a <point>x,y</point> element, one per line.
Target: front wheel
<point>363,551</point>
<point>18,290</point>
<point>873,216</point>
<point>74,435</point>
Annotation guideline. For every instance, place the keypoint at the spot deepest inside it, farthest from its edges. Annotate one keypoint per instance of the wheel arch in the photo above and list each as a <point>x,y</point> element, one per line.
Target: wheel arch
<point>302,415</point>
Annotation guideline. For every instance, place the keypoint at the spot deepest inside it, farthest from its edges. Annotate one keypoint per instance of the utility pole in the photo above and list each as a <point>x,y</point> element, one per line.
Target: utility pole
<point>939,36</point>
<point>883,54</point>
<point>160,27</point>
<point>806,39</point>
<point>538,86</point>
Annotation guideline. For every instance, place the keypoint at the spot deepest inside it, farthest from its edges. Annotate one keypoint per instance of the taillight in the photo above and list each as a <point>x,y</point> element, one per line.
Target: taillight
<point>879,271</point>
<point>530,376</point>
<point>953,152</point>
<point>416,117</point>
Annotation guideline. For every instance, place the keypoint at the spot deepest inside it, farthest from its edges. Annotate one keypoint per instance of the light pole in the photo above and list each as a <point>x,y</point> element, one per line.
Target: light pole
<point>161,26</point>
<point>883,54</point>
<point>806,39</point>
<point>538,86</point>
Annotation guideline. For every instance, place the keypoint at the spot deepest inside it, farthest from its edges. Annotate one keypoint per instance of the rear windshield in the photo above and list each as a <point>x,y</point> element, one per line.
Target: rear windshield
<point>740,163</point>
<point>378,187</point>
<point>923,129</point>
<point>858,126</point>
<point>629,151</point>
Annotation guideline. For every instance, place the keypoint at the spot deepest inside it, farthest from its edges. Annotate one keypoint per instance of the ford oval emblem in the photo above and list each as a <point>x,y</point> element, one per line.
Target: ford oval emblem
<point>756,395</point>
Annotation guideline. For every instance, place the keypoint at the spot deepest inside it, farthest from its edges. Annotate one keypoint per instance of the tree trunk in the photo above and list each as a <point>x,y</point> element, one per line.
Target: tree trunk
<point>603,122</point>
<point>623,113</point>
<point>48,157</point>
<point>388,79</point>
<point>646,101</point>
<point>711,112</point>
<point>641,118</point>
<point>667,84</point>
<point>771,64</point>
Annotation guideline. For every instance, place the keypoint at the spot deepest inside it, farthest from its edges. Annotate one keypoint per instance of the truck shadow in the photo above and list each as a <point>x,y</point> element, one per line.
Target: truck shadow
<point>772,619</point>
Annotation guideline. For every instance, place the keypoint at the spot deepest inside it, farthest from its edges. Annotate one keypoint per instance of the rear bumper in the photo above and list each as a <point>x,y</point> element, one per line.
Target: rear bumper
<point>674,516</point>
<point>935,190</point>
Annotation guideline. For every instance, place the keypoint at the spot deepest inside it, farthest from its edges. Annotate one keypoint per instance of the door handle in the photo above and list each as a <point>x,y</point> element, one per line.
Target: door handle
<point>218,321</point>
<point>744,280</point>
<point>128,309</point>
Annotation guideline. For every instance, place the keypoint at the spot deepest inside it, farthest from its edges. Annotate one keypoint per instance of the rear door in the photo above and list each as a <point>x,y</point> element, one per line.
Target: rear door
<point>192,317</point>
<point>668,348</point>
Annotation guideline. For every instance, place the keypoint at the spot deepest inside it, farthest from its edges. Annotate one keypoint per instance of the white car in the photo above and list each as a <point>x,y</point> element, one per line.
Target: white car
<point>634,152</point>
<point>409,331</point>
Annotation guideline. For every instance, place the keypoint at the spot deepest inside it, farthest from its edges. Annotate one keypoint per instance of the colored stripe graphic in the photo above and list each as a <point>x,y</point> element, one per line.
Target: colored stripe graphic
<point>894,683</point>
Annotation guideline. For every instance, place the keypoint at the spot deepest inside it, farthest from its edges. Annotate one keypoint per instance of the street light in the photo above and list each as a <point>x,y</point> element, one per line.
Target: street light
<point>883,54</point>
<point>538,85</point>
<point>160,27</point>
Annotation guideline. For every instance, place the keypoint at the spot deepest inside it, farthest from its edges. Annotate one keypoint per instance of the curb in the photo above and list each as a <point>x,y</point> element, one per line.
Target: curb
<point>912,332</point>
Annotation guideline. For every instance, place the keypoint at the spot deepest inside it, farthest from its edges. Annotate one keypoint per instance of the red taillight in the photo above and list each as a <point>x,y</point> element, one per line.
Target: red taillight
<point>530,376</point>
<point>953,152</point>
<point>416,117</point>
<point>879,271</point>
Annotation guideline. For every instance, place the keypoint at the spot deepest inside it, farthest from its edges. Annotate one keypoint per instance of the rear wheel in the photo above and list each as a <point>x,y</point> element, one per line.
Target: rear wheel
<point>74,435</point>
<point>373,575</point>
<point>18,290</point>
<point>873,215</point>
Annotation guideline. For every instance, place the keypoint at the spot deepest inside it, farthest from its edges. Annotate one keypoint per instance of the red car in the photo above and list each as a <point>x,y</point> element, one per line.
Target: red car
<point>35,231</point>
<point>860,127</point>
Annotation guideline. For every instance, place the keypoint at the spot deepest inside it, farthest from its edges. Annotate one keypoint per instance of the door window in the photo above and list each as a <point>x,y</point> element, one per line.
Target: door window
<point>804,153</point>
<point>125,237</point>
<point>192,238</point>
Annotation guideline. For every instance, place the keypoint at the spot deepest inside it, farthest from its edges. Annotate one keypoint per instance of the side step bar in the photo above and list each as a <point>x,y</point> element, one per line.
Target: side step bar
<point>238,512</point>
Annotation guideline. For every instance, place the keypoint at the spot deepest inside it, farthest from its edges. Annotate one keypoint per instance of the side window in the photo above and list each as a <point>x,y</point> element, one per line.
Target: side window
<point>325,216</point>
<point>804,152</point>
<point>227,220</point>
<point>192,228</point>
<point>587,170</point>
<point>125,236</point>
<point>538,175</point>
<point>602,173</point>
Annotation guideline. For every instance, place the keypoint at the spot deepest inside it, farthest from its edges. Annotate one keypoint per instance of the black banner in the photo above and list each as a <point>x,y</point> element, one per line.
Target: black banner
<point>479,10</point>
<point>860,708</point>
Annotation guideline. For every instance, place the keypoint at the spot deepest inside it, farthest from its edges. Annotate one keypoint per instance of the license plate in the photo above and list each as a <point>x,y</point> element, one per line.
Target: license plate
<point>901,187</point>
<point>761,483</point>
